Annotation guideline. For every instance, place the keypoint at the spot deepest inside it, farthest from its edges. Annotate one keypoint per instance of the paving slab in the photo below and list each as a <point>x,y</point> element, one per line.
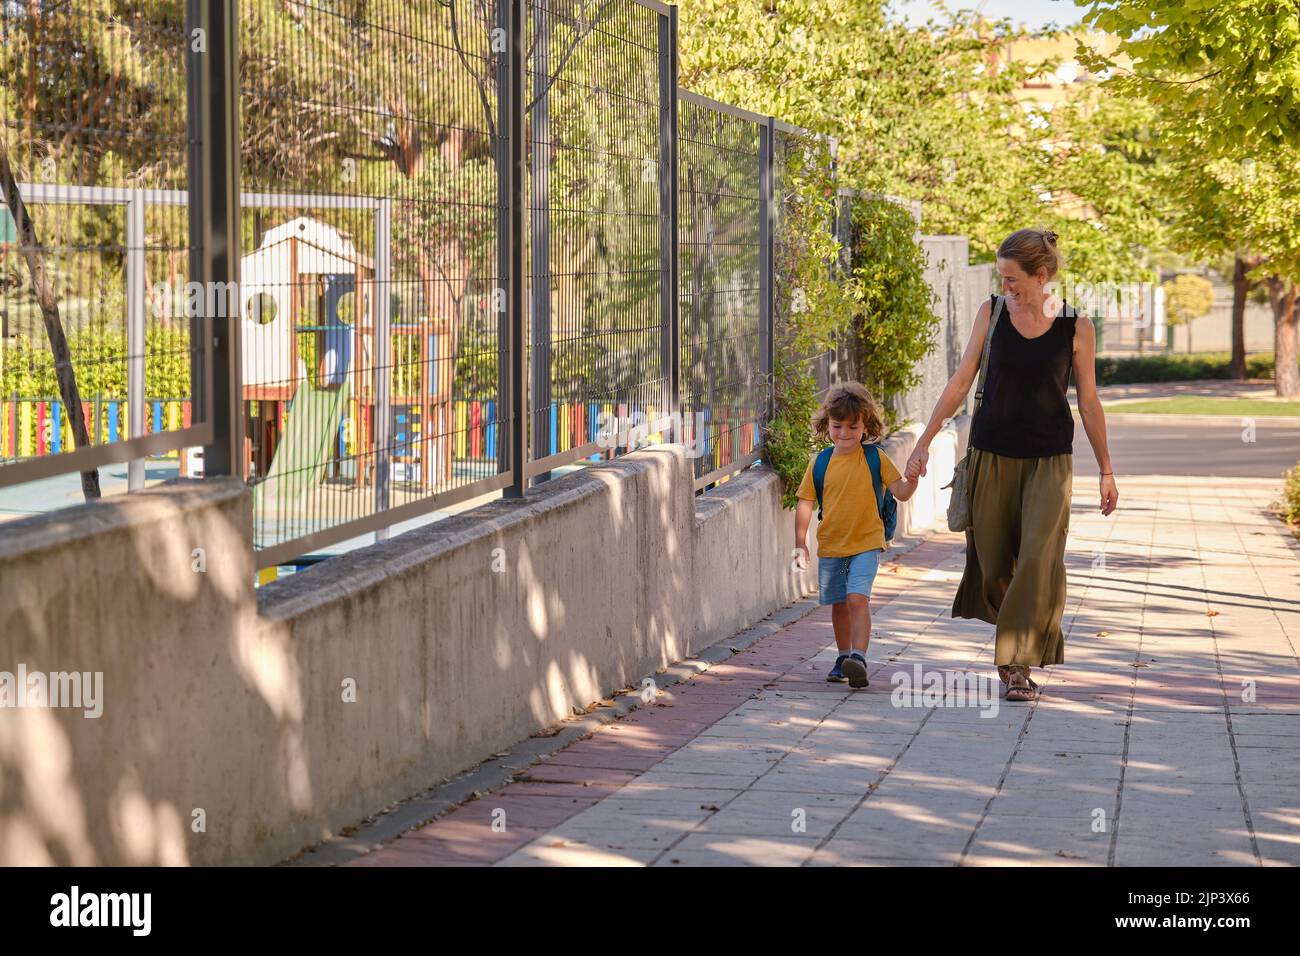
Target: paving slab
<point>1169,737</point>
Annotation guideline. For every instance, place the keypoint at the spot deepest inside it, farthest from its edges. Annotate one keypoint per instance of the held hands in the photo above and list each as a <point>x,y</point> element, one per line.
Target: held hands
<point>1109,494</point>
<point>915,466</point>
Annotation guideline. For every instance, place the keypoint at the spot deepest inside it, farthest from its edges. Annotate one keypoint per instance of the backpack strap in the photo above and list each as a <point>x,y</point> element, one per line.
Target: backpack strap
<point>877,483</point>
<point>819,475</point>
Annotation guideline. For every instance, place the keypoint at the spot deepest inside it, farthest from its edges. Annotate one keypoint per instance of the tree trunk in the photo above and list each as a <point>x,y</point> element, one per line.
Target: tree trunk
<point>45,297</point>
<point>1240,287</point>
<point>1286,316</point>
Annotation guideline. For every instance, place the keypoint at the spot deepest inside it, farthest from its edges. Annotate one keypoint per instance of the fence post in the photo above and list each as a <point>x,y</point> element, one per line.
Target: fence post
<point>383,367</point>
<point>670,307</point>
<point>212,75</point>
<point>135,328</point>
<point>767,261</point>
<point>540,223</point>
<point>510,183</point>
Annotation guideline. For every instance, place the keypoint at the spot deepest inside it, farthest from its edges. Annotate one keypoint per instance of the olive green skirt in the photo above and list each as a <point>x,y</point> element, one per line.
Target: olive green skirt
<point>1015,554</point>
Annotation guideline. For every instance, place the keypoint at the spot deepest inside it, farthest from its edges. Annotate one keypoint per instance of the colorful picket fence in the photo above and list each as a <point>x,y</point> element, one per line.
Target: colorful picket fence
<point>35,427</point>
<point>474,427</point>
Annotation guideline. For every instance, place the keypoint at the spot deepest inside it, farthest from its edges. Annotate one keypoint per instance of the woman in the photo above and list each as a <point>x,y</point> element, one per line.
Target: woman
<point>1021,464</point>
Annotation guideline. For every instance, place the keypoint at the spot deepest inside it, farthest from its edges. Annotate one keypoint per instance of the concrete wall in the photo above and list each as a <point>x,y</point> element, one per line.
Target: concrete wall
<point>225,705</point>
<point>461,638</point>
<point>958,289</point>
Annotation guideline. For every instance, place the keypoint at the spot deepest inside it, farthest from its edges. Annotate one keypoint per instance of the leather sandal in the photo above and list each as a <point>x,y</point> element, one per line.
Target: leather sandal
<point>1020,687</point>
<point>1004,671</point>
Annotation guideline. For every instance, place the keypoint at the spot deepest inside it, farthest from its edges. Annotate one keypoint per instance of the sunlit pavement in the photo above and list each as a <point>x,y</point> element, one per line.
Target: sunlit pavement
<point>1170,737</point>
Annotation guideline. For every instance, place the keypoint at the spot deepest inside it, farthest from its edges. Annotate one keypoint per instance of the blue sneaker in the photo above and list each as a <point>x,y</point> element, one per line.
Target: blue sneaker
<point>854,667</point>
<point>836,675</point>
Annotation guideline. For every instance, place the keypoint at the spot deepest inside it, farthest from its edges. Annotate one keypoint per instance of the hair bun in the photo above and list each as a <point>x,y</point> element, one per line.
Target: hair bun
<point>1049,236</point>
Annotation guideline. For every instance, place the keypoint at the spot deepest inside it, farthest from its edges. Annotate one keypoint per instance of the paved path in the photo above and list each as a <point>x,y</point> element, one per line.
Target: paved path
<point>1201,388</point>
<point>1142,751</point>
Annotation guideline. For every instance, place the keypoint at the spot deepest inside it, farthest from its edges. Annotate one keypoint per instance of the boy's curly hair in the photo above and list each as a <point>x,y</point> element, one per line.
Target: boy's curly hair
<point>849,402</point>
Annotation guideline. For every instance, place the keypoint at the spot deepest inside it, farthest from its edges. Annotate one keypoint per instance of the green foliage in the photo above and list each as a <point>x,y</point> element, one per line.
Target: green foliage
<point>100,361</point>
<point>813,311</point>
<point>1177,368</point>
<point>916,113</point>
<point>1102,176</point>
<point>1187,297</point>
<point>1290,504</point>
<point>1229,68</point>
<point>894,326</point>
<point>1225,78</point>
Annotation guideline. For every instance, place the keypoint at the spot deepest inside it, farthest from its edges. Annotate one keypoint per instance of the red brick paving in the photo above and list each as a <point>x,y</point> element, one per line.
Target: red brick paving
<point>590,769</point>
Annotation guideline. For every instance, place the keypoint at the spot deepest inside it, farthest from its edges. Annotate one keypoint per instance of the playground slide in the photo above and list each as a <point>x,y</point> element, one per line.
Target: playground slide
<point>310,433</point>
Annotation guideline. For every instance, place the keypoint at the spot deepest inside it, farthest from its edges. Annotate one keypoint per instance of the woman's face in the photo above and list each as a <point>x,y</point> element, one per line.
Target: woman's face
<point>846,434</point>
<point>1018,285</point>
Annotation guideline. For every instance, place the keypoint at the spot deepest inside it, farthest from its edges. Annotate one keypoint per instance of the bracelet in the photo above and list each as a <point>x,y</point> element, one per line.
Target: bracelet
<point>1111,473</point>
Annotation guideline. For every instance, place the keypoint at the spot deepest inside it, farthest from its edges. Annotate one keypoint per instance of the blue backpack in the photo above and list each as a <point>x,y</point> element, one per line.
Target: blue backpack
<point>885,502</point>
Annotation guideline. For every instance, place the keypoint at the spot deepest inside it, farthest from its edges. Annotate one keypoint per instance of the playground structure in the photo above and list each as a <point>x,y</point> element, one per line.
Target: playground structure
<point>307,281</point>
<point>305,278</point>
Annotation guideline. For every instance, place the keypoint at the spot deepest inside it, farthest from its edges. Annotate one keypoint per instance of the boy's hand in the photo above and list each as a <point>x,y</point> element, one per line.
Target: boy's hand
<point>915,467</point>
<point>799,559</point>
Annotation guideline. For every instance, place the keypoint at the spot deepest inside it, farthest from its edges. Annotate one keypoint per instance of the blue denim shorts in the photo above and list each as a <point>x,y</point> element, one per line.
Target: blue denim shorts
<point>840,577</point>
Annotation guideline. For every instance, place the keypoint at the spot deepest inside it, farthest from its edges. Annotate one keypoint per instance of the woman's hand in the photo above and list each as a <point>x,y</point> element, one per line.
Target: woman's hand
<point>1109,494</point>
<point>916,462</point>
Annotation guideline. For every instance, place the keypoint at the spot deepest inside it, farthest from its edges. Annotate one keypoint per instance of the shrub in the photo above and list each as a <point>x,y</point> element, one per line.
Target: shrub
<point>1177,368</point>
<point>1290,504</point>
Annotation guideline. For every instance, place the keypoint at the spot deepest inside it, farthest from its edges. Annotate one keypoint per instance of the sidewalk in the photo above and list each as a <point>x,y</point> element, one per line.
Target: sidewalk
<point>1141,752</point>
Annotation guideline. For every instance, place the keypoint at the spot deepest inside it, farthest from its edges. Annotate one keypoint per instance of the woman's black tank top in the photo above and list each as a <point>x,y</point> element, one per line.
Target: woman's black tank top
<point>1024,412</point>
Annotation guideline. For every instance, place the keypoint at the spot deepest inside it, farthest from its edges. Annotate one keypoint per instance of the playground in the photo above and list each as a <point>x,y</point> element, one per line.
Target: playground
<point>328,436</point>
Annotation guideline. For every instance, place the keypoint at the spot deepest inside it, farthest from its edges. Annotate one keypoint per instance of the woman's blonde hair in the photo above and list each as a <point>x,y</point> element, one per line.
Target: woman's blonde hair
<point>1033,249</point>
<point>850,402</point>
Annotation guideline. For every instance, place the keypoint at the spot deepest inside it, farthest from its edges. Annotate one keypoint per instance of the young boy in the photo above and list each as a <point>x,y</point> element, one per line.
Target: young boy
<point>851,535</point>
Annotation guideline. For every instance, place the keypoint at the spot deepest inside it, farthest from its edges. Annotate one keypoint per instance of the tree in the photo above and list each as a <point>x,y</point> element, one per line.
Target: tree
<point>916,113</point>
<point>1226,79</point>
<point>1188,297</point>
<point>1228,69</point>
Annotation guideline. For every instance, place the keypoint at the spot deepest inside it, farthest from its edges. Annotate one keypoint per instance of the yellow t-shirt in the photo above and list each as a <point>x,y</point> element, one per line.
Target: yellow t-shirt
<point>851,522</point>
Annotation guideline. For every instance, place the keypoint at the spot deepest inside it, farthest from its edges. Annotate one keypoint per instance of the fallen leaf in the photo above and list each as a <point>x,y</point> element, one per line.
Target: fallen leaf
<point>1211,613</point>
<point>1070,856</point>
<point>708,806</point>
<point>1103,633</point>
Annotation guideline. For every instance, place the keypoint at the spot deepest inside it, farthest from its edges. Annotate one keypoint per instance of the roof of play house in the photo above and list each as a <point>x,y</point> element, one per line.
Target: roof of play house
<point>322,249</point>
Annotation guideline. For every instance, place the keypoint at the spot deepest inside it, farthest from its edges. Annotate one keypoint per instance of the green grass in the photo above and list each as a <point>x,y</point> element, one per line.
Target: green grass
<point>1206,405</point>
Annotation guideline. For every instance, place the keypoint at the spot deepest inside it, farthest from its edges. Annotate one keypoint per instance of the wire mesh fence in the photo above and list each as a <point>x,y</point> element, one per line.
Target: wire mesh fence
<point>797,155</point>
<point>414,186</point>
<point>94,247</point>
<point>594,253</point>
<point>720,213</point>
<point>371,357</point>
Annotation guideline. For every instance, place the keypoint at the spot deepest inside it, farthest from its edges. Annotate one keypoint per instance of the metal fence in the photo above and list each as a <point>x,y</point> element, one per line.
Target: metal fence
<point>466,244</point>
<point>724,216</point>
<point>95,243</point>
